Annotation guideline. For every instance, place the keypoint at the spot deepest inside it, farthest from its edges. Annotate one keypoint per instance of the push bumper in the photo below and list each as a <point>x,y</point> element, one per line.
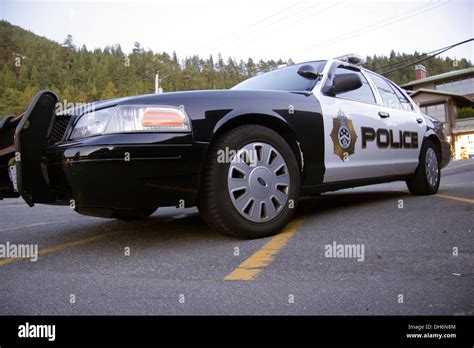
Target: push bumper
<point>24,141</point>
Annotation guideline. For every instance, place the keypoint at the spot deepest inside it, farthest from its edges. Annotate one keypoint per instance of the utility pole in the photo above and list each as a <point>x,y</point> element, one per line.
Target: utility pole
<point>158,89</point>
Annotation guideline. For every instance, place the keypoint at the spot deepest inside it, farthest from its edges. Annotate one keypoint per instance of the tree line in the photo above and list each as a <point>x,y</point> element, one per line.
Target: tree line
<point>29,63</point>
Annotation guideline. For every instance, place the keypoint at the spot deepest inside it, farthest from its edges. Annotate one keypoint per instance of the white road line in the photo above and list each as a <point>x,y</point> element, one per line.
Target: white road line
<point>455,167</point>
<point>33,225</point>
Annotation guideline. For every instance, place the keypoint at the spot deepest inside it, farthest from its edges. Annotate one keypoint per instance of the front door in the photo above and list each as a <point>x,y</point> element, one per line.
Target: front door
<point>351,121</point>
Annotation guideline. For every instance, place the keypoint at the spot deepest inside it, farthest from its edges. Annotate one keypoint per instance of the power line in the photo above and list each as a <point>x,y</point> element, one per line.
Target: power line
<point>411,58</point>
<point>259,22</point>
<point>384,22</point>
<point>298,21</point>
<point>406,60</point>
<point>278,21</point>
<point>428,57</point>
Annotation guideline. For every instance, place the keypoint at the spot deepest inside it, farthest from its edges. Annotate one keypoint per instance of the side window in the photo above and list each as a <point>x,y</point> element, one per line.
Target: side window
<point>406,105</point>
<point>363,93</point>
<point>389,97</point>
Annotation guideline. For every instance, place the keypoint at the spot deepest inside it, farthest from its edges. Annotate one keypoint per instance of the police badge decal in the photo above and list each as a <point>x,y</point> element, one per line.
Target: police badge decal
<point>343,136</point>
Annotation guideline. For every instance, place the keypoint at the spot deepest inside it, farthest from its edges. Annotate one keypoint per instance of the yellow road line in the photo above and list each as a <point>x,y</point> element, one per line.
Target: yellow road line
<point>61,247</point>
<point>251,267</point>
<point>455,198</point>
<point>75,243</point>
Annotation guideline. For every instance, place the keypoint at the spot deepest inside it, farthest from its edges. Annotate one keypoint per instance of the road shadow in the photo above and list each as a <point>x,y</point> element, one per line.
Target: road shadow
<point>177,226</point>
<point>311,206</point>
<point>191,226</point>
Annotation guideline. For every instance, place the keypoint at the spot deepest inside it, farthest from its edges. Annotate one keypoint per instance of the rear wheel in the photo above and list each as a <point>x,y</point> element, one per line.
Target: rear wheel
<point>254,192</point>
<point>132,214</point>
<point>427,176</point>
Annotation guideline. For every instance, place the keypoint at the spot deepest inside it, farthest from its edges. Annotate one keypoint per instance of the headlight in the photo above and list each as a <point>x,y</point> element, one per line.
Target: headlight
<point>132,118</point>
<point>91,123</point>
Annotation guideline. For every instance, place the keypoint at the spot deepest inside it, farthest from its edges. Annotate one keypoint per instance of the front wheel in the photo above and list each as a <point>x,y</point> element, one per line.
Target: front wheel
<point>251,183</point>
<point>427,176</point>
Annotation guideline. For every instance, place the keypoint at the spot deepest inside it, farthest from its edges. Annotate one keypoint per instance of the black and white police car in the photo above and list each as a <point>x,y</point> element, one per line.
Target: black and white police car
<point>244,156</point>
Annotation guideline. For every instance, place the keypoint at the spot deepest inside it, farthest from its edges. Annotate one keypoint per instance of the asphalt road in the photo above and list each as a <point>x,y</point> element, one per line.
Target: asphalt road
<point>177,265</point>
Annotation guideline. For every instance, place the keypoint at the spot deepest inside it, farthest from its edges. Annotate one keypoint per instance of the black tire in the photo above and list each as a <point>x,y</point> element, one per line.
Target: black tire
<point>215,203</point>
<point>132,214</point>
<point>419,184</point>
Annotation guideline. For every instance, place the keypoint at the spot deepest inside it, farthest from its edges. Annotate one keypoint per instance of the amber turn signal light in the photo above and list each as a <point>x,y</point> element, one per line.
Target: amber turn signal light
<point>160,117</point>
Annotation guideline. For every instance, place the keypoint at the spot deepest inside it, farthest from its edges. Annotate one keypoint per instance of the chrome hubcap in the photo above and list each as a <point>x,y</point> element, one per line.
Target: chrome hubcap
<point>258,182</point>
<point>431,167</point>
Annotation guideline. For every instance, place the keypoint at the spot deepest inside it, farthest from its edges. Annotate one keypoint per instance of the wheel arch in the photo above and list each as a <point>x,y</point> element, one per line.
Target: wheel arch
<point>433,137</point>
<point>275,123</point>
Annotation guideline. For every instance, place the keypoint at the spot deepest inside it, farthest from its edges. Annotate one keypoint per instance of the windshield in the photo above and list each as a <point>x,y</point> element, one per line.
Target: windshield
<point>284,79</point>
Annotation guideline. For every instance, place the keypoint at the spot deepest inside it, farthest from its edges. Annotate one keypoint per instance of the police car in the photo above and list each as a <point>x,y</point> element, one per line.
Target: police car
<point>243,156</point>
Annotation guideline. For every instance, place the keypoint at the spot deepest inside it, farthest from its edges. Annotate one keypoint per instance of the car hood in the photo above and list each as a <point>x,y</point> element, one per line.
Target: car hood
<point>208,99</point>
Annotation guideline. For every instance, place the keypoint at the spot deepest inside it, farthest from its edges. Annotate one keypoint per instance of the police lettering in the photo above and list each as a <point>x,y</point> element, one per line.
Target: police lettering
<point>385,138</point>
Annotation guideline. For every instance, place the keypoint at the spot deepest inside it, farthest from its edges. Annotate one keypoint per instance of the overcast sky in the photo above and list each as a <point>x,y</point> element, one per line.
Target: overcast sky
<point>301,30</point>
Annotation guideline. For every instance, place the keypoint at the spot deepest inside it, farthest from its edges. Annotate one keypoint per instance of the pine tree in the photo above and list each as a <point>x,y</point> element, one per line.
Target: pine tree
<point>109,91</point>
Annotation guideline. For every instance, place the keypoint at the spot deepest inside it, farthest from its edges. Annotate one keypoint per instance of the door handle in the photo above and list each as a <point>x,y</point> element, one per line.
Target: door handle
<point>419,120</point>
<point>384,114</point>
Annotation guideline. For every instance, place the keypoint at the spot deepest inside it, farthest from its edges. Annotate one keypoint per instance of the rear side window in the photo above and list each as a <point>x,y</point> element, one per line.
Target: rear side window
<point>363,93</point>
<point>406,105</point>
<point>389,97</point>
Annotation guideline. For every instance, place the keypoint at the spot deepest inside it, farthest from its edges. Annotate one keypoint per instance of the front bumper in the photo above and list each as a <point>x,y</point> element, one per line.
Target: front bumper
<point>126,171</point>
<point>445,153</point>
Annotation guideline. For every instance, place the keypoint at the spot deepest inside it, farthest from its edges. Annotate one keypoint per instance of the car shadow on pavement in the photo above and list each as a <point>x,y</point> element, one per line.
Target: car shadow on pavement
<point>177,226</point>
<point>345,200</point>
<point>191,226</point>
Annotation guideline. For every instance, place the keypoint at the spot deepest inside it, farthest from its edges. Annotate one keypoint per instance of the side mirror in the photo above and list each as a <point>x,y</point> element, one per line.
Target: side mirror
<point>343,83</point>
<point>308,71</point>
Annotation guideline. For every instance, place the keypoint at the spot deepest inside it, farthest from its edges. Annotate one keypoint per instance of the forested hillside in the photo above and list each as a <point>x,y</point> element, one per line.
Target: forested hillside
<point>29,63</point>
